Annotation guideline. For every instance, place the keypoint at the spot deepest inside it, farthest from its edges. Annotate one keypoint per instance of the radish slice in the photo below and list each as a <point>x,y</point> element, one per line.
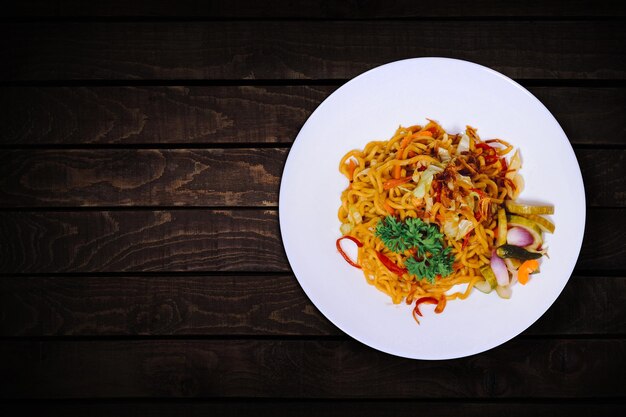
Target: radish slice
<point>518,236</point>
<point>499,269</point>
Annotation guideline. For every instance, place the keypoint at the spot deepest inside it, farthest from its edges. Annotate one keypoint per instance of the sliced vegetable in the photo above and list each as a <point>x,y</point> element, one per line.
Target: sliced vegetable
<point>510,251</point>
<point>518,182</point>
<point>483,286</point>
<point>525,269</point>
<point>530,227</point>
<point>351,167</point>
<point>504,292</point>
<point>464,145</point>
<point>390,265</point>
<point>543,223</point>
<point>513,278</point>
<point>389,209</point>
<point>346,257</point>
<point>423,300</point>
<point>455,229</point>
<point>512,264</point>
<point>514,165</point>
<point>441,305</point>
<point>517,208</point>
<point>519,236</point>
<point>502,226</point>
<point>444,155</point>
<point>465,179</point>
<point>426,179</point>
<point>389,184</point>
<point>345,228</point>
<point>489,276</point>
<point>397,171</point>
<point>499,269</point>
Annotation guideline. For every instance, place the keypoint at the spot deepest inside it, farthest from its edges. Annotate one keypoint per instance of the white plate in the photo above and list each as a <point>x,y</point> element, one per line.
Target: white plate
<point>370,107</point>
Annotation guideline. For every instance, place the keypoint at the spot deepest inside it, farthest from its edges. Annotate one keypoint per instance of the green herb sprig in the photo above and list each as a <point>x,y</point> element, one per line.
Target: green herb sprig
<point>429,268</point>
<point>432,259</point>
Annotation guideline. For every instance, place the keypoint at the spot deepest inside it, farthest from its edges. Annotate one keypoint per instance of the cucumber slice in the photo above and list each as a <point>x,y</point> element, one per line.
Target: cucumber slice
<point>489,276</point>
<point>543,223</point>
<point>483,286</point>
<point>502,227</point>
<point>517,208</point>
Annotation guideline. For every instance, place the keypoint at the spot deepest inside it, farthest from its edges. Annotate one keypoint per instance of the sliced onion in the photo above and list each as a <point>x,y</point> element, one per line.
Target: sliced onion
<point>510,265</point>
<point>499,269</point>
<point>512,269</point>
<point>519,236</point>
<point>504,292</point>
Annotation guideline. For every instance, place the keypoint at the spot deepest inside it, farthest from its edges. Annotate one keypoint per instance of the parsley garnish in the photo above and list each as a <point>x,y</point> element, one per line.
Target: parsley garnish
<point>429,267</point>
<point>400,236</point>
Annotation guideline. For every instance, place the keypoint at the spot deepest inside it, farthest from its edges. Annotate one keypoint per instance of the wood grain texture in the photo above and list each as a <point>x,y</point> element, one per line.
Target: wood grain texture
<point>238,114</point>
<point>537,368</point>
<point>313,9</point>
<point>304,49</point>
<point>201,240</point>
<point>605,184</point>
<point>115,241</point>
<point>214,305</point>
<point>129,115</point>
<point>272,305</point>
<point>308,408</point>
<point>203,177</point>
<point>144,177</point>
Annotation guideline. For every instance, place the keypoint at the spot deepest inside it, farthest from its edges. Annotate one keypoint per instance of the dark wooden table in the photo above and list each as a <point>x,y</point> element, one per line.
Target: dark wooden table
<point>142,266</point>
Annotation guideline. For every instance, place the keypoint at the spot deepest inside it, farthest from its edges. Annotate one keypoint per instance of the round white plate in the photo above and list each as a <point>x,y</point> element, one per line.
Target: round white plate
<point>370,107</point>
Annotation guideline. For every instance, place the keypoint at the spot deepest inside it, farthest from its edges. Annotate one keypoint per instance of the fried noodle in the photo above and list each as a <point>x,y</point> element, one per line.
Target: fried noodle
<point>471,186</point>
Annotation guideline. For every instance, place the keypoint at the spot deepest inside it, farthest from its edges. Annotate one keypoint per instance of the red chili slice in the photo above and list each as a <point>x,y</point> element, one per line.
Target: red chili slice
<point>427,300</point>
<point>346,257</point>
<point>465,241</point>
<point>441,305</point>
<point>485,147</point>
<point>390,265</point>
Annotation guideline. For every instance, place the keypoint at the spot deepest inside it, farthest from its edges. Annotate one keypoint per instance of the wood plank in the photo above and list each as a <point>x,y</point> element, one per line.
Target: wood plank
<point>309,408</point>
<point>201,240</point>
<point>238,114</point>
<point>189,114</point>
<point>318,369</point>
<point>605,183</point>
<point>216,305</point>
<point>112,241</point>
<point>144,177</point>
<point>312,9</point>
<point>203,177</point>
<point>272,305</point>
<point>304,49</point>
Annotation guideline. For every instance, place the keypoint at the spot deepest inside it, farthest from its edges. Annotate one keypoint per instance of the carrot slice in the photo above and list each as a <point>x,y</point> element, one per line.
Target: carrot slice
<point>351,168</point>
<point>397,171</point>
<point>525,269</point>
<point>389,184</point>
<point>388,207</point>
